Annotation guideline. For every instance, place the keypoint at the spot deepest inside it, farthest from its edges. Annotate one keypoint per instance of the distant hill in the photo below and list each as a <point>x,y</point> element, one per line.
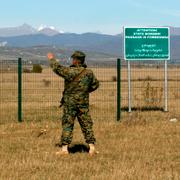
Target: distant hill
<point>25,29</point>
<point>90,42</point>
<point>48,31</point>
<point>175,31</point>
<point>38,54</point>
<point>110,45</point>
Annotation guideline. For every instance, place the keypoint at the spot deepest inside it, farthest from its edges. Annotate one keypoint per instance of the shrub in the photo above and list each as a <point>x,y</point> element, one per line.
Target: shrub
<point>26,70</point>
<point>37,68</point>
<point>148,78</point>
<point>114,79</point>
<point>46,82</point>
<point>152,95</point>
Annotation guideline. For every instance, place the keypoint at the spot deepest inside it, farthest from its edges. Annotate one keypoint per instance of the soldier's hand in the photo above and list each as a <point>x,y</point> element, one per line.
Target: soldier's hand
<point>50,56</point>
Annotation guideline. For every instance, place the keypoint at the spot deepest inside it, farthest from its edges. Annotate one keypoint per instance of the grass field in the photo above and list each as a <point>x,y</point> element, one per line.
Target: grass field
<point>144,145</point>
<point>137,148</point>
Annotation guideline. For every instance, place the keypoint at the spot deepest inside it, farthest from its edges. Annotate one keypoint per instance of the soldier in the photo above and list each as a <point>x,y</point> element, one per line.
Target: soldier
<point>78,83</point>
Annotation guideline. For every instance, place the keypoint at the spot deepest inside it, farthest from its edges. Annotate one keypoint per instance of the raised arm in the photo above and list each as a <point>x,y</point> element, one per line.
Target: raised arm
<point>57,67</point>
<point>65,72</point>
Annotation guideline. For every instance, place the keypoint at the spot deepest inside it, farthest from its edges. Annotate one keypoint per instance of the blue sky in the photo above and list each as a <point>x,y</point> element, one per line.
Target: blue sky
<point>106,16</point>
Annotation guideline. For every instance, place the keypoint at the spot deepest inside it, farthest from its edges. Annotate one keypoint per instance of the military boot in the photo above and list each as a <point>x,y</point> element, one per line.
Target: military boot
<point>63,150</point>
<point>92,150</point>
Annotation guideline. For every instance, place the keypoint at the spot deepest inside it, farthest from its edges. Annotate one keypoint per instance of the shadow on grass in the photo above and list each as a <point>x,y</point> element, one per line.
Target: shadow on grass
<point>153,108</point>
<point>76,148</point>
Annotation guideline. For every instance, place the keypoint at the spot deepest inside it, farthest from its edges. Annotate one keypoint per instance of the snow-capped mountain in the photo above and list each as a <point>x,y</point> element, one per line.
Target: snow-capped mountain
<point>26,29</point>
<point>49,31</point>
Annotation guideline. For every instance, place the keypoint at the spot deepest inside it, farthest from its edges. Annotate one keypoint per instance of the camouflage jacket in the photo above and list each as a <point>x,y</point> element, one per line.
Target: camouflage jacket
<point>76,90</point>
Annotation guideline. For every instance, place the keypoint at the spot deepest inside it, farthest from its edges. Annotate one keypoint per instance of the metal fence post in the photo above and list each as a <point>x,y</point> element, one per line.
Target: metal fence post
<point>19,89</point>
<point>118,89</point>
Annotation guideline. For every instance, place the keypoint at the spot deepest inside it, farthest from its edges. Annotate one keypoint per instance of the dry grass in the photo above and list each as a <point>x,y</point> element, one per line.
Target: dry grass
<point>145,145</point>
<point>137,148</point>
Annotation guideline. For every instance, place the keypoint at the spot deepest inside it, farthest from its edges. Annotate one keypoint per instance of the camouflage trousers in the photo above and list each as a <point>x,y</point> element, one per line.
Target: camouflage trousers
<point>71,111</point>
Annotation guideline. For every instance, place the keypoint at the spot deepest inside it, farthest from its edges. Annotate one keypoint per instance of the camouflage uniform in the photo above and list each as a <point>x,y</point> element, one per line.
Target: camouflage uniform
<point>78,83</point>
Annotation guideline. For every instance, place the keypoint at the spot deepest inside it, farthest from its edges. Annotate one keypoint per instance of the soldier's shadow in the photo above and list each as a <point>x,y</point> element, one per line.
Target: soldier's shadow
<point>78,148</point>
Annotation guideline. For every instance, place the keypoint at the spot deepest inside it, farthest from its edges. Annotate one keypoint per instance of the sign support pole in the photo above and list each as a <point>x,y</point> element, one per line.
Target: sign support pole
<point>19,89</point>
<point>129,86</point>
<point>165,86</point>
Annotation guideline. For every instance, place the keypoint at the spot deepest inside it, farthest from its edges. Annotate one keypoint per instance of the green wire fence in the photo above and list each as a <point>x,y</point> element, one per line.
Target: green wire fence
<point>27,94</point>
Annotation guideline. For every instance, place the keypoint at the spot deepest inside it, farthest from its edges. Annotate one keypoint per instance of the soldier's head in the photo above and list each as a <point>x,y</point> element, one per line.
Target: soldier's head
<point>78,57</point>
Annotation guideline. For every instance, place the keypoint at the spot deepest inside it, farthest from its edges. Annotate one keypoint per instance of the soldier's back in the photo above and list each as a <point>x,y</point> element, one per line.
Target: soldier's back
<point>78,88</point>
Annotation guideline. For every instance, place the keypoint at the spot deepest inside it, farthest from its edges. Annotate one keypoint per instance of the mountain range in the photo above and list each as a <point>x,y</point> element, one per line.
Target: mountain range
<point>26,29</point>
<point>26,36</point>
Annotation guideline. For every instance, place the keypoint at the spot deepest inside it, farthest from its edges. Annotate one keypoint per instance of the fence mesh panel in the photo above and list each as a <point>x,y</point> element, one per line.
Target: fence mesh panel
<point>8,90</point>
<point>147,86</point>
<point>41,92</point>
